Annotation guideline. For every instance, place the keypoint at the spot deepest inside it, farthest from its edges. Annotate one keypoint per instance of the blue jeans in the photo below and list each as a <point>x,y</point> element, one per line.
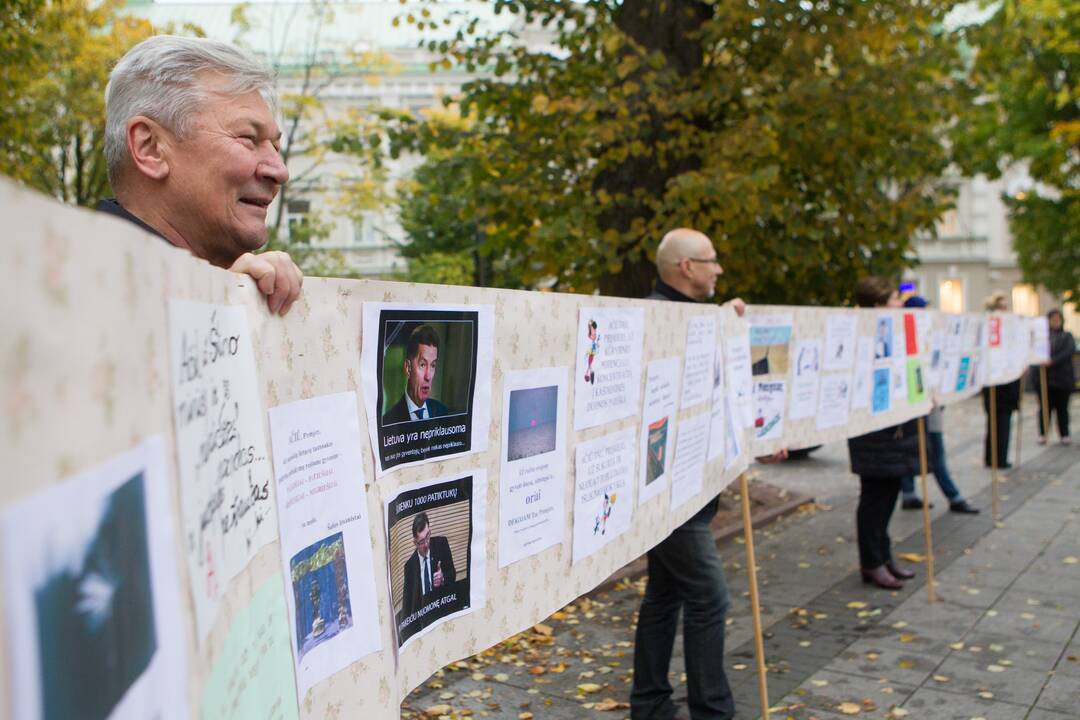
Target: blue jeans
<point>935,451</point>
<point>685,573</point>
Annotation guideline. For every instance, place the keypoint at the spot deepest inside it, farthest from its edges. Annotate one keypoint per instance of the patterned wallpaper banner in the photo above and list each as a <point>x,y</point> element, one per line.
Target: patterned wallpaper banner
<point>486,461</point>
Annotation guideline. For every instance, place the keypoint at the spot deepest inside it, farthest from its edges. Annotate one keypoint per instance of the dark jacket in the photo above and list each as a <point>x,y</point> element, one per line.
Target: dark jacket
<point>411,597</point>
<point>111,207</point>
<point>889,453</point>
<point>1007,397</point>
<point>399,413</point>
<point>1060,375</point>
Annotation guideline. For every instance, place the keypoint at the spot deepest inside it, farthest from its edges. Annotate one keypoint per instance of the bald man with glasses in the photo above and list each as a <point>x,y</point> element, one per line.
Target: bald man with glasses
<point>685,571</point>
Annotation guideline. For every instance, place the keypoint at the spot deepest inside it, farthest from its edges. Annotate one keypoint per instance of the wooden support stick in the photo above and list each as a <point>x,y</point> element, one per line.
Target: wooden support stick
<point>755,606</point>
<point>1020,422</point>
<point>993,452</point>
<point>932,596</point>
<point>1045,403</point>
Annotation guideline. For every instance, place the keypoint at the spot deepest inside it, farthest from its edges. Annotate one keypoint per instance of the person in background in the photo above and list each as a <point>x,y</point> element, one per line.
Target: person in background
<point>1007,396</point>
<point>935,449</point>
<point>881,459</point>
<point>1060,377</point>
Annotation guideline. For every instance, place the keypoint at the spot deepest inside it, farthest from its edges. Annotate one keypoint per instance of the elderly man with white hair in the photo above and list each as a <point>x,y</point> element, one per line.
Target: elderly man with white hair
<point>192,149</point>
<point>685,570</point>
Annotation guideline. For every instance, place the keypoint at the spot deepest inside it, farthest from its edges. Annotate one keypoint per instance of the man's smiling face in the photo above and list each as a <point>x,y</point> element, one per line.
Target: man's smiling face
<point>224,173</point>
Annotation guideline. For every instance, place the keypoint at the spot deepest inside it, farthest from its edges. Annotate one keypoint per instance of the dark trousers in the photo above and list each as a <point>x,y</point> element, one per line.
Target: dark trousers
<point>685,573</point>
<point>935,450</point>
<point>877,498</point>
<point>1058,400</point>
<point>1004,428</point>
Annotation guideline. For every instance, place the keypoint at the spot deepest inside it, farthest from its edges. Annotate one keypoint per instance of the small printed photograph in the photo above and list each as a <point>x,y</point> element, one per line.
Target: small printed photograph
<point>883,338</point>
<point>320,588</point>
<point>533,417</point>
<point>770,349</point>
<point>423,367</point>
<point>94,607</point>
<point>882,391</point>
<point>656,456</point>
<point>429,529</point>
<point>427,369</point>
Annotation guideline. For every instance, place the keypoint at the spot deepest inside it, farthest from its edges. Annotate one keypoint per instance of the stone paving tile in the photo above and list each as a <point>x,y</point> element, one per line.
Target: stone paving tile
<point>1037,581</point>
<point>874,659</point>
<point>929,703</point>
<point>976,576</point>
<point>968,676</point>
<point>826,691</point>
<point>1021,653</point>
<point>1062,694</point>
<point>1040,714</point>
<point>1040,603</point>
<point>1026,624</point>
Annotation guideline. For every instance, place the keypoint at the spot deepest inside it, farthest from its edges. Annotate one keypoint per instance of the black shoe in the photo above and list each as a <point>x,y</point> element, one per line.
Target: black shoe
<point>962,506</point>
<point>913,504</point>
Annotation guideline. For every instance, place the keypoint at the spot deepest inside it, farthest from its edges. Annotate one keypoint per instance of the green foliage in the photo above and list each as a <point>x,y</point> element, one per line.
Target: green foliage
<point>442,268</point>
<point>805,139</point>
<point>311,132</point>
<point>56,58</point>
<point>1027,76</point>
<point>320,558</point>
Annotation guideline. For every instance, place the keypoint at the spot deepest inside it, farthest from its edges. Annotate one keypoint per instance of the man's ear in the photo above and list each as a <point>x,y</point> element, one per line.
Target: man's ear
<point>684,267</point>
<point>147,143</point>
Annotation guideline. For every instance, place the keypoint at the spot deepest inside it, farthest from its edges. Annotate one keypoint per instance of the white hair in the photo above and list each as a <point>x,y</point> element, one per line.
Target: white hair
<point>159,78</point>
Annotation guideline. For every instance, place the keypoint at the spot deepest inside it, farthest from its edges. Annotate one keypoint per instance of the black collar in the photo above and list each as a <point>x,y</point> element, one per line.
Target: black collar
<point>111,207</point>
<point>662,288</point>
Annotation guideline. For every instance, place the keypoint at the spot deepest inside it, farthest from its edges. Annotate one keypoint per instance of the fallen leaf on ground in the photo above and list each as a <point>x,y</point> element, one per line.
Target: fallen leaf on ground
<point>611,704</point>
<point>941,678</point>
<point>542,629</point>
<point>995,668</point>
<point>848,708</point>
<point>437,710</point>
<point>502,677</point>
<point>913,557</point>
<point>589,687</point>
<point>1071,560</point>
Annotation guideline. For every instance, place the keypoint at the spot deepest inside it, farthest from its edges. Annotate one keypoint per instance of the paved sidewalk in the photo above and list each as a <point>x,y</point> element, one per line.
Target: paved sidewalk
<point>834,646</point>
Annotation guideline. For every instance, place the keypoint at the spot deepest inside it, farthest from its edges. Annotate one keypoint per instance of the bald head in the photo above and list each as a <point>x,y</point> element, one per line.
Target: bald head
<point>686,260</point>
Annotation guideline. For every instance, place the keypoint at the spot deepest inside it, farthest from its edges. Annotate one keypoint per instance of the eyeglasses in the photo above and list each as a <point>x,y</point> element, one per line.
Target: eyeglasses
<point>707,261</point>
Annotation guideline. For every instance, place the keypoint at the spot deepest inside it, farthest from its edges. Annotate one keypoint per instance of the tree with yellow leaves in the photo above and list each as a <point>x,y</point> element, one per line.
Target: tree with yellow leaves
<point>56,63</point>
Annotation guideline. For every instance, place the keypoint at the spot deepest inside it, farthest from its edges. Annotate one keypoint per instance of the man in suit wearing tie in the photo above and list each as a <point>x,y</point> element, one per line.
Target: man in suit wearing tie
<point>431,567</point>
<point>421,359</point>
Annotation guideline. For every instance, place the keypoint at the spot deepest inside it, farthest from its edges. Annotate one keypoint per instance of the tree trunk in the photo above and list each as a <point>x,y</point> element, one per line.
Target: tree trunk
<point>669,27</point>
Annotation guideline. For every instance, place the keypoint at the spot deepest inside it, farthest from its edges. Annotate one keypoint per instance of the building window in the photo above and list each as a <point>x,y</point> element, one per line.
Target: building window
<point>296,214</point>
<point>364,231</point>
<point>1025,301</point>
<point>952,295</point>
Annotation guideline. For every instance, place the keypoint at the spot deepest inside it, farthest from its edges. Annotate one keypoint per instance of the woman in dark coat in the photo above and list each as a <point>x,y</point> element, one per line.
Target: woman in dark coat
<point>1060,378</point>
<point>881,459</point>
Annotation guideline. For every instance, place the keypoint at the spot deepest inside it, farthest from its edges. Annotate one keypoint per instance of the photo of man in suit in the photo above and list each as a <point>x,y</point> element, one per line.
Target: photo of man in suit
<point>421,361</point>
<point>431,567</point>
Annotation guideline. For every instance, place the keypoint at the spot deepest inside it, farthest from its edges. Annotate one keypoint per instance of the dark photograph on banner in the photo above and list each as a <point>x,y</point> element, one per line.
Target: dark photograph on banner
<point>320,587</point>
<point>95,611</point>
<point>429,533</point>
<point>427,373</point>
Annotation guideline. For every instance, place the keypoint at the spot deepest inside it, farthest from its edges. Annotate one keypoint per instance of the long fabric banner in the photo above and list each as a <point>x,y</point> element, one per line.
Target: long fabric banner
<point>283,516</point>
